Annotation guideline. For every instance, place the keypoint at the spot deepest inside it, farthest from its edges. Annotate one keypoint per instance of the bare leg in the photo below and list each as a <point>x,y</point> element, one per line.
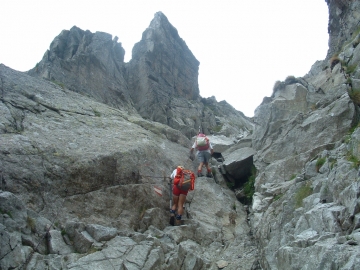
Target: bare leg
<point>200,166</point>
<point>181,201</point>
<point>175,202</point>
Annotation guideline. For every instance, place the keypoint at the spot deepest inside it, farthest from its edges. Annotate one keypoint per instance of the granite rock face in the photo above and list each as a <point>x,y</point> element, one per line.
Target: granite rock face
<point>160,82</point>
<point>306,199</point>
<point>91,64</point>
<point>77,187</point>
<point>344,16</point>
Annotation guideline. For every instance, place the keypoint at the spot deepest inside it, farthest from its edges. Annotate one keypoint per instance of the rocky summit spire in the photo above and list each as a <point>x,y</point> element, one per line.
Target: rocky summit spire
<point>162,70</point>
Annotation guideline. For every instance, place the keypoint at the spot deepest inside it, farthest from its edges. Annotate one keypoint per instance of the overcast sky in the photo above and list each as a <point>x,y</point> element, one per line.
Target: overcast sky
<point>243,47</point>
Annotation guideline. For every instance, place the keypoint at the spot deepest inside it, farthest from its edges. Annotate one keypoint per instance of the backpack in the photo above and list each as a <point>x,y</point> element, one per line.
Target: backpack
<point>184,179</point>
<point>202,142</point>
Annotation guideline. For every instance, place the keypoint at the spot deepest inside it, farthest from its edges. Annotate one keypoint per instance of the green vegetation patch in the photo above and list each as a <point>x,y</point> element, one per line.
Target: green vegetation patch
<point>31,223</point>
<point>59,84</point>
<point>97,113</point>
<point>303,192</point>
<point>217,128</point>
<point>277,197</point>
<point>319,163</point>
<point>350,69</point>
<point>354,95</point>
<point>230,185</point>
<point>354,160</point>
<point>249,187</point>
<point>2,211</point>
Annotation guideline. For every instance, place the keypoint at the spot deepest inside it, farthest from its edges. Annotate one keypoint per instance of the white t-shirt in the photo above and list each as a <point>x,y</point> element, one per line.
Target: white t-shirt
<point>172,176</point>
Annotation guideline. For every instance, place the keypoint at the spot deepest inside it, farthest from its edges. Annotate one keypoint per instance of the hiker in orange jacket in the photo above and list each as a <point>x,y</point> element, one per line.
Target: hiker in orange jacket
<point>179,195</point>
<point>204,153</point>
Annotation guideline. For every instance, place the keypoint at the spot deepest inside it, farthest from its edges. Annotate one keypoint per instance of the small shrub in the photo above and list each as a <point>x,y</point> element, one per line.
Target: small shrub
<point>249,187</point>
<point>333,163</point>
<point>313,107</point>
<point>349,81</point>
<point>290,80</point>
<point>303,192</point>
<point>354,95</point>
<point>213,171</point>
<point>217,128</point>
<point>319,163</point>
<point>97,113</point>
<point>31,223</point>
<point>59,84</point>
<point>230,185</point>
<point>277,86</point>
<point>351,69</point>
<point>277,197</point>
<point>93,250</point>
<point>334,61</point>
<point>352,129</point>
<point>5,212</point>
<point>354,160</point>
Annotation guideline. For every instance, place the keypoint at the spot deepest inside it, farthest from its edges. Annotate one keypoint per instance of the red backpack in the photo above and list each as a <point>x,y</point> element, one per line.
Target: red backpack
<point>202,142</point>
<point>184,179</point>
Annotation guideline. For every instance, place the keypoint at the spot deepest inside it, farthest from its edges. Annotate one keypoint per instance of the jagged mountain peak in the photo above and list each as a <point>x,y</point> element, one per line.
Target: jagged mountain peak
<point>160,82</point>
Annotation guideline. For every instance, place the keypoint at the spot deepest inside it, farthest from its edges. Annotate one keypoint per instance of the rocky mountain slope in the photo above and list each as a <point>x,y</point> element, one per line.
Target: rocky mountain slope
<point>85,138</point>
<point>160,81</point>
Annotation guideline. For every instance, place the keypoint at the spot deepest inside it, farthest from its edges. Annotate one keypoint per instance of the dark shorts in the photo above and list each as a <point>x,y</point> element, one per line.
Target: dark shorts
<point>203,156</point>
<point>177,191</point>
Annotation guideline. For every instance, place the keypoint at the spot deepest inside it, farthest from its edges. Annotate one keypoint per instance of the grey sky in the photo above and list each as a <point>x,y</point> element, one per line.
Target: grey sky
<point>243,46</point>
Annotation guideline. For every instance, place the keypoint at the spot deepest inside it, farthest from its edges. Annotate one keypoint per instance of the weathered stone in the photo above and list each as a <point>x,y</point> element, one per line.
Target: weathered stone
<point>101,233</point>
<point>152,217</point>
<point>155,260</point>
<point>83,241</point>
<point>355,143</point>
<point>57,244</point>
<point>238,163</point>
<point>15,211</point>
<point>221,264</point>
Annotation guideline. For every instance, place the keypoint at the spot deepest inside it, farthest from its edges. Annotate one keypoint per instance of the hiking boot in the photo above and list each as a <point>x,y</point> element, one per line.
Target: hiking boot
<point>199,174</point>
<point>209,175</point>
<point>177,222</point>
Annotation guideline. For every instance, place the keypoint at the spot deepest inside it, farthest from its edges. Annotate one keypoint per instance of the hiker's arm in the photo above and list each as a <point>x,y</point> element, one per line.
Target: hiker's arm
<point>211,149</point>
<point>191,154</point>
